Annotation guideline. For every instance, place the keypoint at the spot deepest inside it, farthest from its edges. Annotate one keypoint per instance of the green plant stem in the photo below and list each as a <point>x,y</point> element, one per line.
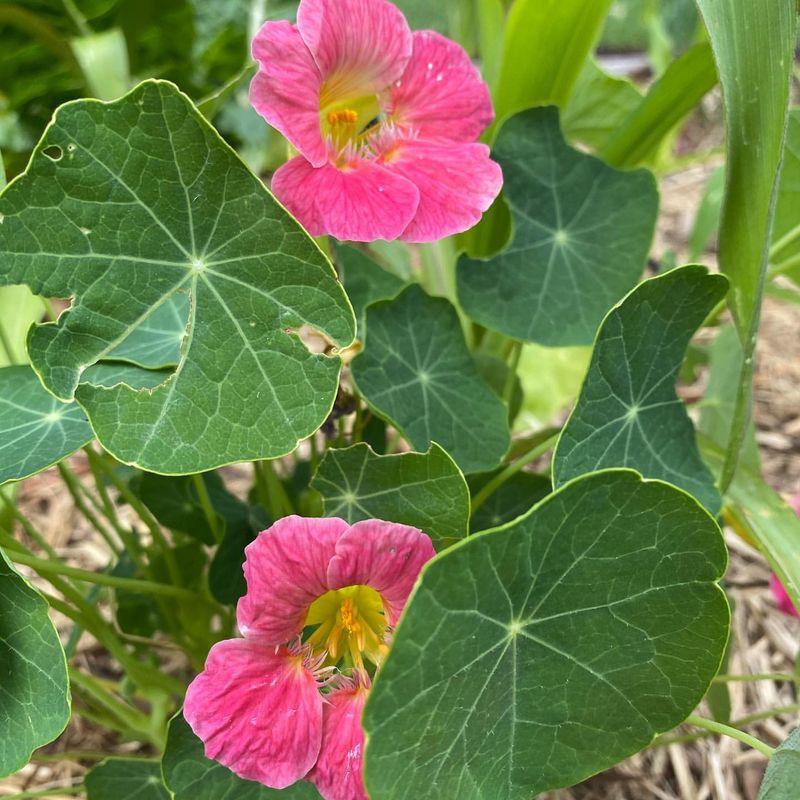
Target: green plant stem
<point>278,500</point>
<point>76,788</point>
<point>788,238</point>
<point>512,469</point>
<point>513,364</point>
<point>208,509</point>
<point>6,344</point>
<point>143,513</point>
<point>733,733</point>
<point>74,488</point>
<point>765,676</point>
<point>78,19</point>
<point>72,755</point>
<point>784,266</point>
<point>27,526</point>
<point>130,717</point>
<point>45,567</point>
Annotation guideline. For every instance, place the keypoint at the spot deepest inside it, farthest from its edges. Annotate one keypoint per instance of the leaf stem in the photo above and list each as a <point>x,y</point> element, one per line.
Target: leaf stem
<point>205,503</point>
<point>45,567</point>
<point>788,238</point>
<point>512,469</point>
<point>733,733</point>
<point>513,364</point>
<point>76,788</point>
<point>764,676</point>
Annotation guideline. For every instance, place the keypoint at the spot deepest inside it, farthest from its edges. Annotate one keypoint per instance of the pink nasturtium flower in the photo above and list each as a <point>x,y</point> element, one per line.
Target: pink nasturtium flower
<point>276,709</point>
<point>779,592</point>
<point>385,122</point>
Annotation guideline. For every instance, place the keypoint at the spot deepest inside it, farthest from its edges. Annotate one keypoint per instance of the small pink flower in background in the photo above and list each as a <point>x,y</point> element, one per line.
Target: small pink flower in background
<point>385,121</point>
<point>274,709</point>
<point>779,592</point>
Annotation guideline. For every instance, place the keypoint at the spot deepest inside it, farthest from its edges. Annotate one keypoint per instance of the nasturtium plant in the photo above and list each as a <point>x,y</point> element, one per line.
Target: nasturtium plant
<point>185,214</point>
<point>574,634</point>
<point>385,436</point>
<point>582,231</point>
<point>34,701</point>
<point>628,414</point>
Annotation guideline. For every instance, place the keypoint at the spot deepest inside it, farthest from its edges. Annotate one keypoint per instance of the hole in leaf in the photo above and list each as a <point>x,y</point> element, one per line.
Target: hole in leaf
<point>53,152</point>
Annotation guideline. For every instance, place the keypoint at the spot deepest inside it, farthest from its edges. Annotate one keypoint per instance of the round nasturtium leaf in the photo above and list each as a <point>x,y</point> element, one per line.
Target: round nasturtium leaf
<point>36,429</point>
<point>535,655</point>
<point>34,692</point>
<point>130,206</point>
<point>581,234</point>
<point>125,779</point>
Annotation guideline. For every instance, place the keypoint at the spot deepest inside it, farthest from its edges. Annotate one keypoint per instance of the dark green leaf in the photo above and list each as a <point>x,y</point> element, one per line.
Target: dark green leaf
<point>628,414</point>
<point>34,699</point>
<point>136,201</point>
<point>495,372</point>
<point>191,776</point>
<point>416,372</point>
<point>534,656</point>
<point>783,771</point>
<point>426,490</point>
<point>515,497</point>
<point>365,281</point>
<point>36,430</point>
<point>582,231</point>
<point>125,779</point>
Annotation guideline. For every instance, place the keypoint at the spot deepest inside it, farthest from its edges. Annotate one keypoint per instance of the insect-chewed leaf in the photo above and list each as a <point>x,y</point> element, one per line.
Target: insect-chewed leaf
<point>581,235</point>
<point>628,414</point>
<point>131,206</point>
<point>34,700</point>
<point>535,655</point>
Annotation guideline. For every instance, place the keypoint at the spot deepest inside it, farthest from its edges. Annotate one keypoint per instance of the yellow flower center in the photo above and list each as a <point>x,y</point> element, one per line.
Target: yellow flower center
<point>349,120</point>
<point>350,625</point>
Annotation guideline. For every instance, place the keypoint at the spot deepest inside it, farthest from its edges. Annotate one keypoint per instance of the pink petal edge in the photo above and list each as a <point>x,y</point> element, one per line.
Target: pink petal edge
<point>363,41</point>
<point>285,90</point>
<point>360,203</point>
<point>338,771</point>
<point>441,94</point>
<point>258,712</point>
<point>781,597</point>
<point>286,570</point>
<point>386,556</point>
<point>456,183</point>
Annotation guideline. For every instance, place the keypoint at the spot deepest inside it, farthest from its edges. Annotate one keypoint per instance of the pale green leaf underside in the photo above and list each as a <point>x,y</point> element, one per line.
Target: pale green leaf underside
<point>34,693</point>
<point>416,372</point>
<point>581,235</point>
<point>782,778</point>
<point>536,655</point>
<point>426,490</point>
<point>191,776</point>
<point>126,779</point>
<point>36,430</point>
<point>146,203</point>
<point>628,414</point>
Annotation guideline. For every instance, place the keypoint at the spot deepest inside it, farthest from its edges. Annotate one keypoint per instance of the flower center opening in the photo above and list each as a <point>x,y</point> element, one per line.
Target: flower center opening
<point>349,122</point>
<point>350,626</point>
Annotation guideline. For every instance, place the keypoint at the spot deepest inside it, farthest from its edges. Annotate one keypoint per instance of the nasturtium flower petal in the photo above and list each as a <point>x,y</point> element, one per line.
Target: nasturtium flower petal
<point>367,42</point>
<point>385,556</point>
<point>258,711</point>
<point>441,94</point>
<point>285,90</point>
<point>286,569</point>
<point>338,771</point>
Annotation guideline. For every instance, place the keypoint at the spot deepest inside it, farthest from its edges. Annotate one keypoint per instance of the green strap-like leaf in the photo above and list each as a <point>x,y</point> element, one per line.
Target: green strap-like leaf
<point>628,414</point>
<point>191,776</point>
<point>125,206</point>
<point>34,693</point>
<point>426,490</point>
<point>753,43</point>
<point>534,656</point>
<point>416,372</point>
<point>785,252</point>
<point>582,231</point>
<point>125,779</point>
<point>36,430</point>
<point>782,778</point>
